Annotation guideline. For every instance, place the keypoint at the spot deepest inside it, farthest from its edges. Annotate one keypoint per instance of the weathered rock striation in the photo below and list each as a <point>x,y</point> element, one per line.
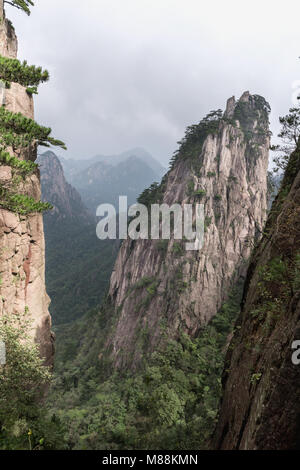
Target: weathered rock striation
<point>22,246</point>
<point>158,288</point>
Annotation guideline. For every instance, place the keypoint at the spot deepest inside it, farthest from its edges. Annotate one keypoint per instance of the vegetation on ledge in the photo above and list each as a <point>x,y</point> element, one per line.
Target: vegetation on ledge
<point>20,203</point>
<point>191,145</point>
<point>26,167</point>
<point>24,423</point>
<point>12,70</point>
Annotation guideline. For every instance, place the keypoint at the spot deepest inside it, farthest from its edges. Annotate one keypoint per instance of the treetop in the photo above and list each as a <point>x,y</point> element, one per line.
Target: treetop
<point>23,5</point>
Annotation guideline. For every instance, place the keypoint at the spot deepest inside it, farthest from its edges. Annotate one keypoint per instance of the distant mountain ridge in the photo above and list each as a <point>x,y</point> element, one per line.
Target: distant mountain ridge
<point>78,264</point>
<point>104,183</point>
<point>72,167</point>
<point>65,199</point>
<point>103,179</point>
<point>137,152</point>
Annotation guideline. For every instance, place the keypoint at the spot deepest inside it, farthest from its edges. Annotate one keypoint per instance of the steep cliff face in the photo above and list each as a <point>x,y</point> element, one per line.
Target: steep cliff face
<point>73,168</point>
<point>260,408</point>
<point>22,247</point>
<point>157,287</point>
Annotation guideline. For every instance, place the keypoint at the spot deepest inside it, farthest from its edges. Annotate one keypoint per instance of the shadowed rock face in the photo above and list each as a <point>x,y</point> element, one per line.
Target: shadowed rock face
<point>158,287</point>
<point>260,407</point>
<point>65,199</point>
<point>22,246</point>
<point>78,263</point>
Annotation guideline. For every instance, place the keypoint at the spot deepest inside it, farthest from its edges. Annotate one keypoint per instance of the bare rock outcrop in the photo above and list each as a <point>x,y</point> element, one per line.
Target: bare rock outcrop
<point>157,288</point>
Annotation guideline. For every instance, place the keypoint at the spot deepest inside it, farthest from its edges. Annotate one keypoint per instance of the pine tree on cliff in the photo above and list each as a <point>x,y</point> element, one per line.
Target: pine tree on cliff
<point>19,133</point>
<point>23,5</point>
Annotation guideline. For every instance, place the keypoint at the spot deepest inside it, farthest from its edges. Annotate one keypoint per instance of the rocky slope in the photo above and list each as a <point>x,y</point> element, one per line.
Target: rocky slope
<point>22,247</point>
<point>260,407</point>
<point>157,288</point>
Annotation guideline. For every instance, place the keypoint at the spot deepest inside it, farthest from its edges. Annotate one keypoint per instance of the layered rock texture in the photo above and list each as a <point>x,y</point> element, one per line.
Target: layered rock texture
<point>158,288</point>
<point>22,248</point>
<point>260,407</point>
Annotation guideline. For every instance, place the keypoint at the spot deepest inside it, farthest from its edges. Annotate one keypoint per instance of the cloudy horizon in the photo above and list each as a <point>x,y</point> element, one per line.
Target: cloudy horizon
<point>131,73</point>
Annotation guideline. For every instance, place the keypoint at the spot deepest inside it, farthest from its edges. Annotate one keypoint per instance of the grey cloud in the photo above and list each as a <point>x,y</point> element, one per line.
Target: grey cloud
<point>128,73</point>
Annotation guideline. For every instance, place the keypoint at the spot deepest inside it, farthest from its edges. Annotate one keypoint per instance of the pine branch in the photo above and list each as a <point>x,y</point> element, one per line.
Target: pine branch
<point>23,5</point>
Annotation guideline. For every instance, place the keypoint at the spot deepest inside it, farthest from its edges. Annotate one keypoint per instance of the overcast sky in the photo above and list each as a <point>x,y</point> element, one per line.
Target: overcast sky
<point>127,73</point>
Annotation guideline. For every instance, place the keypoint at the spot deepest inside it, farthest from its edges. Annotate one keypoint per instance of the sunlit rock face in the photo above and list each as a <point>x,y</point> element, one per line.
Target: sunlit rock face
<point>22,246</point>
<point>159,289</point>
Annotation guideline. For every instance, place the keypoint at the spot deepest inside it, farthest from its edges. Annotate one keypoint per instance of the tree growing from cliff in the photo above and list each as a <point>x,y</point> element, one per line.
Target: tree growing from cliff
<point>18,132</point>
<point>23,5</point>
<point>289,134</point>
<point>195,136</point>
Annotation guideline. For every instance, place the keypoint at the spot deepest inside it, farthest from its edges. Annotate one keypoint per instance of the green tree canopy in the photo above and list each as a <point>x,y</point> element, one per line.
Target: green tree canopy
<point>289,134</point>
<point>23,5</point>
<point>23,376</point>
<point>12,70</point>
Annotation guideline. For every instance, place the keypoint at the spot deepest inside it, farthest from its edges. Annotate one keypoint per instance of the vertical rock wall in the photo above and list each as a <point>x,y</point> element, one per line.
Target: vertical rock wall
<point>22,245</point>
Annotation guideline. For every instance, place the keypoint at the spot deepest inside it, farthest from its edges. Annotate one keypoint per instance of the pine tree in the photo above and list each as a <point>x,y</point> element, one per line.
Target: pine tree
<point>19,133</point>
<point>289,134</point>
<point>23,5</point>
